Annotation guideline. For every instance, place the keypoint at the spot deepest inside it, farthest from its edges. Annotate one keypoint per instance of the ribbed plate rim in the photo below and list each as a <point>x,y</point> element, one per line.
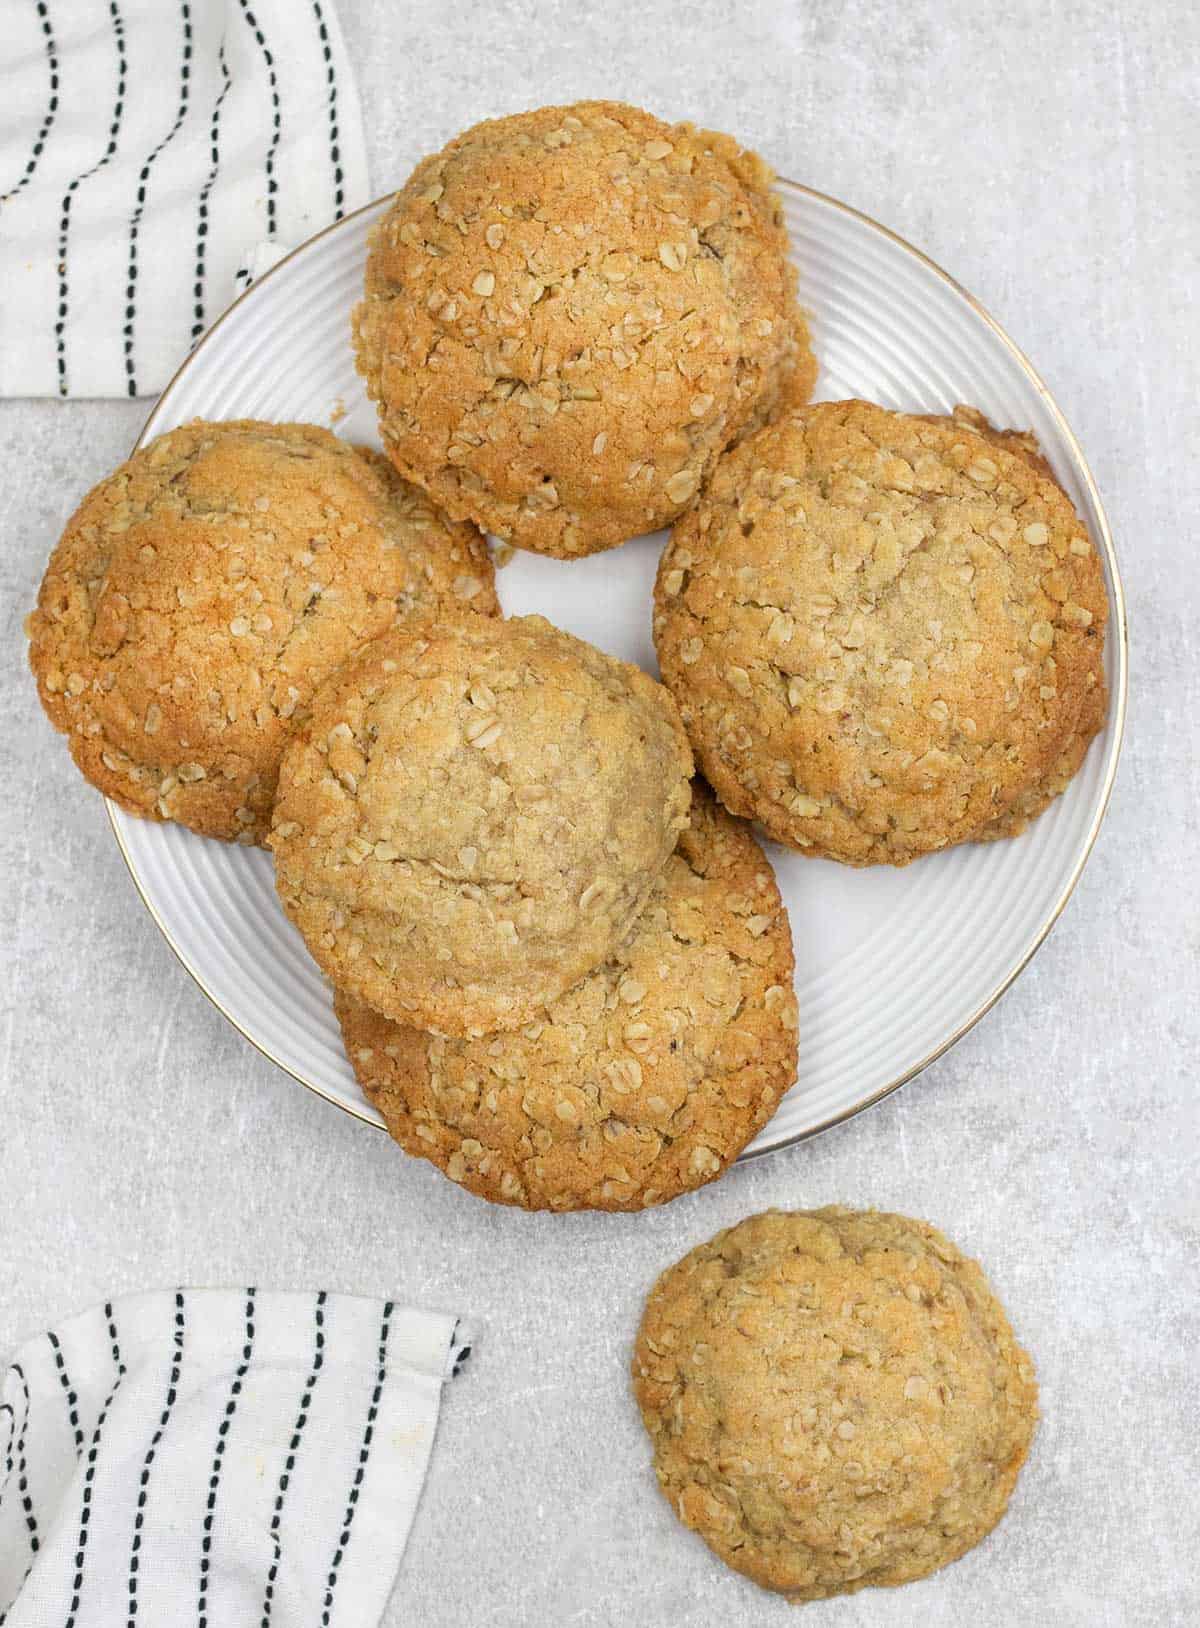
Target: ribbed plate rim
<point>1114,733</point>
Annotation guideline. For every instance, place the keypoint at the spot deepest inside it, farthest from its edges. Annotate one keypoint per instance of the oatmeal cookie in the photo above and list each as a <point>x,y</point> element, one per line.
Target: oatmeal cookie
<point>474,816</point>
<point>569,313</point>
<point>885,633</point>
<point>835,1399</point>
<point>643,1081</point>
<point>200,593</point>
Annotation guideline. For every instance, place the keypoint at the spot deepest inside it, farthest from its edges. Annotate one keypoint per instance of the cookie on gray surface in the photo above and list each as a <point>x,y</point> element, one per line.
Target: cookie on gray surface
<point>835,1399</point>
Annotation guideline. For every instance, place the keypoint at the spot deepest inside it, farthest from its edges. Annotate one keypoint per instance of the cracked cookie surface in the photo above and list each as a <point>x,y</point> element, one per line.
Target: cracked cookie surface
<point>474,816</point>
<point>835,1399</point>
<point>200,593</point>
<point>885,633</point>
<point>568,313</point>
<point>643,1081</point>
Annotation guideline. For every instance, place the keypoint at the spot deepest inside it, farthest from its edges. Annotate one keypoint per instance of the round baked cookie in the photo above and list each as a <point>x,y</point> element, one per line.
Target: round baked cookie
<point>885,633</point>
<point>835,1399</point>
<point>569,313</point>
<point>474,816</point>
<point>643,1081</point>
<point>200,593</point>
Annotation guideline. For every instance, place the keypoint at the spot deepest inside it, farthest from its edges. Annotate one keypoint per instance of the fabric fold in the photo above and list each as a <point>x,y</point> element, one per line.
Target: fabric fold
<point>220,1456</point>
<point>152,154</point>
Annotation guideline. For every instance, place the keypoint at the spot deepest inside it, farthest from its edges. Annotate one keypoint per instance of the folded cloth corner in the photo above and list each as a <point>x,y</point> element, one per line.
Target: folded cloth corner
<point>146,148</point>
<point>217,1456</point>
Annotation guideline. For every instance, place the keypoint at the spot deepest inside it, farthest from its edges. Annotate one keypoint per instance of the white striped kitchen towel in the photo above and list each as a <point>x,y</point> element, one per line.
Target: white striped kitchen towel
<point>217,1457</point>
<point>154,156</point>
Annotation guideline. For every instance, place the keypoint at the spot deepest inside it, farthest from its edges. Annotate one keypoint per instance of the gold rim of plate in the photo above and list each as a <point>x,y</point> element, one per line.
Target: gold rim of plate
<point>1115,727</point>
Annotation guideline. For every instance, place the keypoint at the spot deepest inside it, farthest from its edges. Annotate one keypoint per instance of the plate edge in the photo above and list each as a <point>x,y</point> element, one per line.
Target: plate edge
<point>1118,702</point>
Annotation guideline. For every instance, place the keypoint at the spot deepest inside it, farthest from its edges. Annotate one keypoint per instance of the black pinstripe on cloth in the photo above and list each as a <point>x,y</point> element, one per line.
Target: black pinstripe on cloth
<point>276,114</point>
<point>360,1469</point>
<point>64,230</point>
<point>51,113</point>
<point>89,1478</point>
<point>214,1480</point>
<point>139,1519</point>
<point>335,156</point>
<point>32,1540</point>
<point>131,128</point>
<point>214,139</point>
<point>185,69</point>
<point>289,1465</point>
<point>248,1434</point>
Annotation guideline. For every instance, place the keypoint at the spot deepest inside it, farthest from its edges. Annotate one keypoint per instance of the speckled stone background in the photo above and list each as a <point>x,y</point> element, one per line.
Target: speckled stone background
<point>1048,155</point>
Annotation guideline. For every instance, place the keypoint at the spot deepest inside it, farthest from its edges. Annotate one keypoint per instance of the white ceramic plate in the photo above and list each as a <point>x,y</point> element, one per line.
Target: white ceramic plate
<point>891,966</point>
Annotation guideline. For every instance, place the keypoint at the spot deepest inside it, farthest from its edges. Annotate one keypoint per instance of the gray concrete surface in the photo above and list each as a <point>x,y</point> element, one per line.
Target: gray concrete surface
<point>1047,154</point>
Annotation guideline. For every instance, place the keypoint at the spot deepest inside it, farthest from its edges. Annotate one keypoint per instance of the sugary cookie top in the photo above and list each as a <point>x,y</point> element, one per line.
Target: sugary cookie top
<point>882,631</point>
<point>569,313</point>
<point>474,816</point>
<point>641,1082</point>
<point>201,592</point>
<point>835,1398</point>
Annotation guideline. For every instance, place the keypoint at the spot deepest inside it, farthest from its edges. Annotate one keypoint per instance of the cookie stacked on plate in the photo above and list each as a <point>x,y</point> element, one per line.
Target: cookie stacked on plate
<point>639,1082</point>
<point>563,979</point>
<point>884,631</point>
<point>200,594</point>
<point>563,975</point>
